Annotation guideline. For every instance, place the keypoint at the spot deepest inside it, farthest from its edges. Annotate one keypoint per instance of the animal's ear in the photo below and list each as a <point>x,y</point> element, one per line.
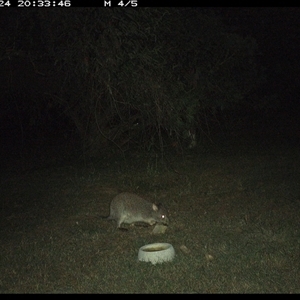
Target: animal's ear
<point>154,207</point>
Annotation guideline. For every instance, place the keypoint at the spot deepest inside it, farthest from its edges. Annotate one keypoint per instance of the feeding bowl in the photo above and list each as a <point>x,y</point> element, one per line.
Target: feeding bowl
<point>156,253</point>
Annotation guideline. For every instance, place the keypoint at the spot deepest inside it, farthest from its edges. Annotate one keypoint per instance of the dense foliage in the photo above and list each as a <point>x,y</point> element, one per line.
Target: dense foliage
<point>147,77</point>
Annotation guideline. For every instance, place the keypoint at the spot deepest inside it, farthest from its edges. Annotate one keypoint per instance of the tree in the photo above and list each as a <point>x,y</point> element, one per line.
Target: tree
<point>165,69</point>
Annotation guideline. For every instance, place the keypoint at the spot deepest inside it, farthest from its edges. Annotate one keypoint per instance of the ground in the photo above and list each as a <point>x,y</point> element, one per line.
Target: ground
<point>234,205</point>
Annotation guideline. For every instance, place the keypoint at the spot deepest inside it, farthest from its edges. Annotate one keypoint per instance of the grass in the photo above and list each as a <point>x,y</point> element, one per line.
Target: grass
<point>236,208</point>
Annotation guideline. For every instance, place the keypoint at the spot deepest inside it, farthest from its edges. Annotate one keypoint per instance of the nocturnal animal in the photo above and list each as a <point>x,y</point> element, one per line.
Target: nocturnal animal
<point>128,208</point>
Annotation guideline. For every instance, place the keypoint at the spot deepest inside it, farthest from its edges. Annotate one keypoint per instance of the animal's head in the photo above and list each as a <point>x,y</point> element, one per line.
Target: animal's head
<point>159,213</point>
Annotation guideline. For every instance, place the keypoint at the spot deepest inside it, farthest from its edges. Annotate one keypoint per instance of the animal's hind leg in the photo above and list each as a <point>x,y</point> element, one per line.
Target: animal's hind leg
<point>119,224</point>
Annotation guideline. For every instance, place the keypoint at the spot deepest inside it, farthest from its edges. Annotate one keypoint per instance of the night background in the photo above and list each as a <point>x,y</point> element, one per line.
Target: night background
<point>181,104</point>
